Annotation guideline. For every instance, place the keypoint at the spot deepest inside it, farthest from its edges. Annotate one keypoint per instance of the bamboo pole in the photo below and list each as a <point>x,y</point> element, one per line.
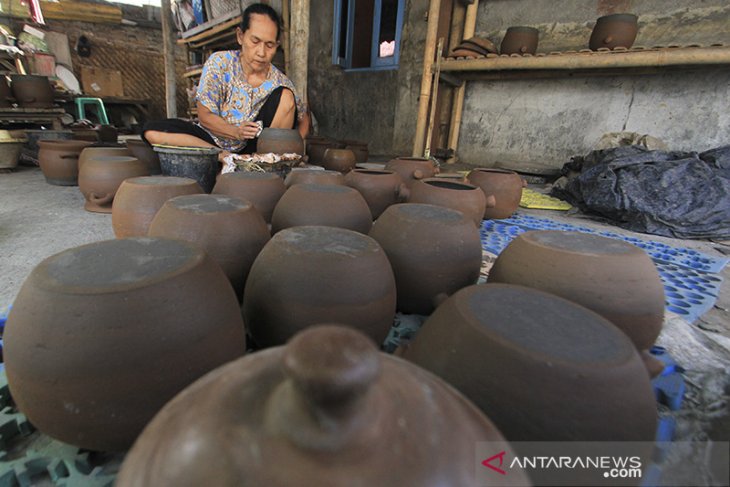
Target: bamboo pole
<point>168,40</point>
<point>299,45</point>
<point>434,98</point>
<point>285,35</point>
<point>458,16</point>
<point>428,57</point>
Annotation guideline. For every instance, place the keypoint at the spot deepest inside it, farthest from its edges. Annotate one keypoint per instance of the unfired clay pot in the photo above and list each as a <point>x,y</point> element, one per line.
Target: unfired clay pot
<point>145,153</point>
<point>519,40</point>
<point>326,409</point>
<point>612,31</point>
<point>342,160</point>
<point>379,188</point>
<point>434,251</point>
<point>101,176</point>
<point>32,91</point>
<point>456,195</point>
<point>313,176</point>
<point>502,188</point>
<point>319,204</point>
<point>59,160</point>
<point>231,230</point>
<point>314,274</point>
<point>613,278</point>
<point>316,147</point>
<point>89,152</point>
<point>139,199</point>
<point>412,168</point>
<point>101,336</point>
<point>280,141</point>
<point>264,190</point>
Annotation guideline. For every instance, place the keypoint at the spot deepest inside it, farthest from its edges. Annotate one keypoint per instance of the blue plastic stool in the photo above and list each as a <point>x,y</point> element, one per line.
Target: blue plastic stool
<point>81,104</point>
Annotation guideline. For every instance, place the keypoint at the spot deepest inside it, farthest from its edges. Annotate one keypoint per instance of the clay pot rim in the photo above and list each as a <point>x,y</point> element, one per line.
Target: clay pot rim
<point>323,188</point>
<point>68,144</point>
<point>307,170</point>
<point>336,150</point>
<point>112,159</point>
<point>253,175</point>
<point>632,250</point>
<point>406,158</point>
<point>492,170</point>
<point>522,29</point>
<point>374,172</point>
<point>173,180</point>
<point>620,17</point>
<point>442,183</point>
<point>137,142</point>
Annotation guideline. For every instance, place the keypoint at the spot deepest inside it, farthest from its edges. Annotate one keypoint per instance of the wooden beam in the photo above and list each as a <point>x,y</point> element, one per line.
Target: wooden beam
<point>299,45</point>
<point>429,53</point>
<point>205,35</point>
<point>458,15</point>
<point>285,35</point>
<point>434,98</point>
<point>168,44</point>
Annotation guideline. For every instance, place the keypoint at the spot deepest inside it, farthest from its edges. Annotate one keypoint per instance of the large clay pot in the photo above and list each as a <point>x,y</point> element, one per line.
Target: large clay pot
<point>612,31</point>
<point>464,197</point>
<point>145,153</point>
<point>411,169</point>
<point>519,40</point>
<point>342,160</point>
<point>264,190</point>
<point>312,274</point>
<point>59,160</point>
<point>320,204</point>
<point>101,336</point>
<point>359,148</point>
<point>541,367</point>
<point>90,152</point>
<point>379,188</point>
<point>32,91</point>
<point>313,176</point>
<point>434,251</point>
<point>100,178</point>
<point>613,278</point>
<point>326,409</point>
<point>280,141</point>
<point>502,188</point>
<point>139,199</point>
<point>231,230</point>
<point>5,93</point>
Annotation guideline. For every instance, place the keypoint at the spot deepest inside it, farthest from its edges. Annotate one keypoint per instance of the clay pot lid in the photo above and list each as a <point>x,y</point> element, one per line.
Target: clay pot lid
<point>208,203</point>
<point>447,183</point>
<point>620,17</point>
<point>250,175</point>
<point>114,265</point>
<point>319,240</point>
<point>481,42</point>
<point>160,181</point>
<point>427,213</point>
<point>542,327</point>
<point>579,243</point>
<point>523,29</point>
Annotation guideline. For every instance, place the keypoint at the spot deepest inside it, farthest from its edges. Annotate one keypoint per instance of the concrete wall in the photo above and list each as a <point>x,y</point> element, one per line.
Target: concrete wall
<point>549,120</point>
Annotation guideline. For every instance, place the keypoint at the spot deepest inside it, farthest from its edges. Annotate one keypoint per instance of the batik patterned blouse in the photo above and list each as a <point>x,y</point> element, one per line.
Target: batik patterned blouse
<point>224,91</point>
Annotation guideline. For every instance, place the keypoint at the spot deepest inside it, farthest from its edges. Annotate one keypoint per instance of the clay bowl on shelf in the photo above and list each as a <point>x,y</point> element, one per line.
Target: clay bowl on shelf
<point>461,196</point>
<point>615,30</point>
<point>89,152</point>
<point>519,40</point>
<point>101,336</point>
<point>314,274</point>
<point>615,279</point>
<point>342,160</point>
<point>145,153</point>
<point>412,168</point>
<point>321,407</point>
<point>59,160</point>
<point>379,188</point>
<point>264,190</point>
<point>502,188</point>
<point>313,176</point>
<point>101,176</point>
<point>32,91</point>
<point>280,141</point>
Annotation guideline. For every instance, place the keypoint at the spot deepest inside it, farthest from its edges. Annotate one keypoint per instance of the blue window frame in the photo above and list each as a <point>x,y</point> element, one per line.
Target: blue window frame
<point>367,33</point>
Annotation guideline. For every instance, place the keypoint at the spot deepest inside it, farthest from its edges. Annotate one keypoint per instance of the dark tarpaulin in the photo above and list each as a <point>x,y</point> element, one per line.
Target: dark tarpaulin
<point>674,194</point>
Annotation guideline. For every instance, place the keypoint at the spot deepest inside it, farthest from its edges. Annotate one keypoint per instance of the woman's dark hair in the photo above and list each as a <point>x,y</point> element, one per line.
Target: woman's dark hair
<point>261,9</point>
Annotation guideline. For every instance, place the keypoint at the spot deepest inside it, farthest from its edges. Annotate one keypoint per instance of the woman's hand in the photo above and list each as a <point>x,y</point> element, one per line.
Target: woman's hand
<point>248,130</point>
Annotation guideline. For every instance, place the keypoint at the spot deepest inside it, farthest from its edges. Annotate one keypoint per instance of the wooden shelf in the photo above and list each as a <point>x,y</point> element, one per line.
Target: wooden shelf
<point>220,31</point>
<point>193,73</point>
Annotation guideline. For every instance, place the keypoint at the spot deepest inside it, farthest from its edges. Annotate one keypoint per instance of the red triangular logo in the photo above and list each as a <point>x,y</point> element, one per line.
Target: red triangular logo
<point>488,462</point>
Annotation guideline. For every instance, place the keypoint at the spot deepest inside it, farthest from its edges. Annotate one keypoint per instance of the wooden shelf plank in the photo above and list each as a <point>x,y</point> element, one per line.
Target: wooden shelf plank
<point>200,39</point>
<point>193,73</point>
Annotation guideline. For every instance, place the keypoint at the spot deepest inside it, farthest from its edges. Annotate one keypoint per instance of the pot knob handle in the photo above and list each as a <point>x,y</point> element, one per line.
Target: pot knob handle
<point>417,174</point>
<point>524,182</point>
<point>523,49</point>
<point>608,40</point>
<point>402,192</point>
<point>101,200</point>
<point>491,201</point>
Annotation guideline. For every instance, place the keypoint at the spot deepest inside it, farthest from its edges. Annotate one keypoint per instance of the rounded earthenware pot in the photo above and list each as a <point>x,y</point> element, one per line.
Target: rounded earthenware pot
<point>342,160</point>
<point>313,176</point>
<point>321,407</point>
<point>145,153</point>
<point>359,148</point>
<point>434,251</point>
<point>379,188</point>
<point>519,40</point>
<point>316,148</point>
<point>541,367</point>
<point>32,91</point>
<point>100,178</point>
<point>231,230</point>
<point>101,336</point>
<point>280,141</point>
<point>615,279</point>
<point>5,93</point>
<point>139,199</point>
<point>264,190</point>
<point>90,152</point>
<point>59,160</point>
<point>464,197</point>
<point>314,274</point>
<point>411,169</point>
<point>320,204</point>
<point>502,188</point>
<point>612,31</point>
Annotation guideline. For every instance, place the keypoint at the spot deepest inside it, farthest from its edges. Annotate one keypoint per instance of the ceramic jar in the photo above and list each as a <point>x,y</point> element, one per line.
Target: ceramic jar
<point>262,189</point>
<point>359,148</point>
<point>319,204</point>
<point>541,367</point>
<point>613,278</point>
<point>456,195</point>
<point>100,178</point>
<point>32,91</point>
<point>379,188</point>
<point>434,251</point>
<point>90,152</point>
<point>612,31</point>
<point>59,160</point>
<point>313,176</point>
<point>280,141</point>
<point>313,274</point>
<point>101,336</point>
<point>519,40</point>
<point>139,199</point>
<point>342,160</point>
<point>327,405</point>
<point>502,188</point>
<point>231,230</point>
<point>411,169</point>
<point>145,153</point>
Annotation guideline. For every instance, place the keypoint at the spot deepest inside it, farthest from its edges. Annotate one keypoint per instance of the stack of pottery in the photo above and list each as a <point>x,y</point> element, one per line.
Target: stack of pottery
<point>263,190</point>
<point>198,163</point>
<point>342,160</point>
<point>474,47</point>
<point>139,199</point>
<point>519,41</point>
<point>313,274</point>
<point>412,169</point>
<point>359,148</point>
<point>313,176</point>
<point>101,176</point>
<point>434,251</point>
<point>319,204</point>
<point>328,406</point>
<point>59,160</point>
<point>502,188</point>
<point>379,188</point>
<point>229,229</point>
<point>91,152</point>
<point>614,31</point>
<point>456,195</point>
<point>145,153</point>
<point>32,91</point>
<point>280,141</point>
<point>101,336</point>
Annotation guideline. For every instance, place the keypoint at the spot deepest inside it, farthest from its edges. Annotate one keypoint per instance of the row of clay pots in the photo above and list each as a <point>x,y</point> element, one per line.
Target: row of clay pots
<point>317,147</point>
